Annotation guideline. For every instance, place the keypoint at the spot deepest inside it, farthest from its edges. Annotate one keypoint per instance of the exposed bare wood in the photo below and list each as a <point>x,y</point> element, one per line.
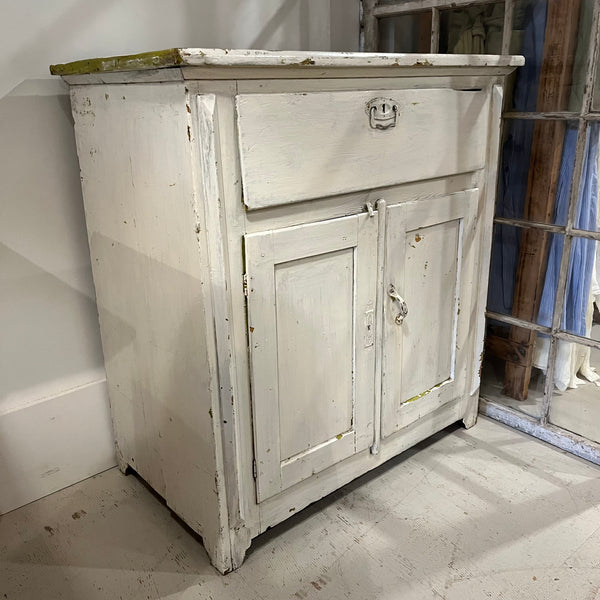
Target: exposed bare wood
<point>590,235</point>
<point>552,116</point>
<point>370,26</point>
<point>435,30</point>
<point>529,224</point>
<point>517,322</point>
<point>544,166</point>
<point>424,42</point>
<point>503,348</point>
<point>509,7</point>
<point>412,6</point>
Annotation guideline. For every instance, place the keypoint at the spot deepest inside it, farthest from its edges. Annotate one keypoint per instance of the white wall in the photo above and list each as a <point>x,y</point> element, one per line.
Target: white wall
<point>54,420</point>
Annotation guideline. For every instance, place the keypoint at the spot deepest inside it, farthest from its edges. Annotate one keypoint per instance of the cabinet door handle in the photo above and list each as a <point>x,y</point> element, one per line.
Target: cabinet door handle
<point>402,306</point>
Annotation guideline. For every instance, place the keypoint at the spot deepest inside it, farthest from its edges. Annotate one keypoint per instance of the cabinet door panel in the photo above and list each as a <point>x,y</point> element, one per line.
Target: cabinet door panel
<point>311,297</point>
<point>429,262</point>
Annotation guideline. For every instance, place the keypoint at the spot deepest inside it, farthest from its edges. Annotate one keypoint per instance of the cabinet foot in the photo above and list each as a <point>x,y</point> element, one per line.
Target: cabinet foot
<point>470,416</point>
<point>470,420</point>
<point>228,555</point>
<point>240,542</point>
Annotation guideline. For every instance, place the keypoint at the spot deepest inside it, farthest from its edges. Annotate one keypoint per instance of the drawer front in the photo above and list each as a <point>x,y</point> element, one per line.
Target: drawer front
<point>299,146</point>
<point>311,303</point>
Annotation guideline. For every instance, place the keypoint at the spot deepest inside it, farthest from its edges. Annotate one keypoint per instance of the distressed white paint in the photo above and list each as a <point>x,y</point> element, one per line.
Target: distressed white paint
<point>217,57</point>
<point>282,163</point>
<point>153,295</point>
<point>202,384</point>
<point>311,302</point>
<point>429,261</point>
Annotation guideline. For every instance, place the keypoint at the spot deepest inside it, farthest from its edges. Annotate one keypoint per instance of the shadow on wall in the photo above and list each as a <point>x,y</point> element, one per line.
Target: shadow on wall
<point>40,35</point>
<point>47,307</point>
<point>274,25</point>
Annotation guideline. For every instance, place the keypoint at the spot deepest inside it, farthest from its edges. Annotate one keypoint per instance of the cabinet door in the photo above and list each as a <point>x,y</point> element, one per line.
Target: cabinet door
<point>430,248</point>
<point>311,302</point>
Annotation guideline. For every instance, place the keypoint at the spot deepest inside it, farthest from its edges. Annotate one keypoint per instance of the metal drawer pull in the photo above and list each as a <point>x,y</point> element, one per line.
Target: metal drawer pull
<point>402,307</point>
<point>382,113</point>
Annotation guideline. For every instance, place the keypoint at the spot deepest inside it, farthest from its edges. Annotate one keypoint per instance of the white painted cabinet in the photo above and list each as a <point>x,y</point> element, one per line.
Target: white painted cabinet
<point>290,254</point>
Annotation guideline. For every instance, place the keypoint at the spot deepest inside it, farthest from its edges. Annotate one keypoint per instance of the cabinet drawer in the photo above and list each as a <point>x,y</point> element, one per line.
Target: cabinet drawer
<point>309,145</point>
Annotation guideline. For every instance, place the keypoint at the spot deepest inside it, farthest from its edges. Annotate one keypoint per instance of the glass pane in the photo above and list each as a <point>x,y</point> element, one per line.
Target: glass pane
<point>472,30</point>
<point>582,294</point>
<point>407,33</point>
<point>586,215</point>
<point>576,397</point>
<point>522,284</point>
<point>535,160</point>
<point>554,40</point>
<point>522,277</point>
<point>505,372</point>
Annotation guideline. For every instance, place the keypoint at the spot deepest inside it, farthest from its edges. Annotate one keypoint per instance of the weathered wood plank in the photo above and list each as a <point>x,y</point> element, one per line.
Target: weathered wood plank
<point>507,350</point>
<point>544,166</point>
<point>370,26</point>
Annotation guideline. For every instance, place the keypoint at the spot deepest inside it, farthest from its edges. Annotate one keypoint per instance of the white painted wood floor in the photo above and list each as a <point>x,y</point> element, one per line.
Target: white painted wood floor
<point>484,513</point>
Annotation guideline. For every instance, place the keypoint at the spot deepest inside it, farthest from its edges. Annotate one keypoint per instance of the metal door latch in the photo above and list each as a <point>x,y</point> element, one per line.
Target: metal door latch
<point>382,112</point>
<point>402,306</point>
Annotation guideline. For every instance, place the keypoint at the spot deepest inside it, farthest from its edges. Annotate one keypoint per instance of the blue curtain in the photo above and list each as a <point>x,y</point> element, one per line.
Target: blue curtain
<point>514,171</point>
<point>512,190</point>
<point>581,261</point>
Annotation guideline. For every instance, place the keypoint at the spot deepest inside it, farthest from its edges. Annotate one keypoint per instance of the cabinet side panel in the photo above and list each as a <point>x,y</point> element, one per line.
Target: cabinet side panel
<point>148,252</point>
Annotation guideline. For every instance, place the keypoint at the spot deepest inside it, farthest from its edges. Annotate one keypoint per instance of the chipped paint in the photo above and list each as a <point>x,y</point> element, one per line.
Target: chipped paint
<point>176,57</point>
<point>422,394</point>
<point>130,62</point>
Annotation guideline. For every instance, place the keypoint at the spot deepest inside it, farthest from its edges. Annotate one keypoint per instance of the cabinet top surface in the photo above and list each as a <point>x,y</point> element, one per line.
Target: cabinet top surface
<point>219,58</point>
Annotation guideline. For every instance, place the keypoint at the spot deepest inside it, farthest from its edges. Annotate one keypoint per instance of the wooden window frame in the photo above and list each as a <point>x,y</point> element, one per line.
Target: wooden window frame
<point>539,427</point>
<point>372,12</point>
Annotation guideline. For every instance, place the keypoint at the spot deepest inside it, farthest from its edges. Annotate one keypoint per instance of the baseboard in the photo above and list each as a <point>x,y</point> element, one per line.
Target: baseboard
<point>53,443</point>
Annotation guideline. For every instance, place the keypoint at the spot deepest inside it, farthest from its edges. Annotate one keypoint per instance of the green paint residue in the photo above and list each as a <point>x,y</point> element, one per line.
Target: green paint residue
<point>131,62</point>
<point>417,397</point>
<point>424,393</point>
